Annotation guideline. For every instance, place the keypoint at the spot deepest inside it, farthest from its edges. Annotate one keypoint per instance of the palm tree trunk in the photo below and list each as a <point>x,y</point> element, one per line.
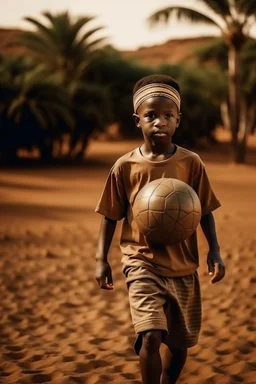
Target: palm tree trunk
<point>253,119</point>
<point>246,126</point>
<point>234,97</point>
<point>242,136</point>
<point>225,115</point>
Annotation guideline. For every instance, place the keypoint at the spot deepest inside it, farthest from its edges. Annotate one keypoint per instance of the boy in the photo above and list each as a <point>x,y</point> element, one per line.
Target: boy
<point>162,281</point>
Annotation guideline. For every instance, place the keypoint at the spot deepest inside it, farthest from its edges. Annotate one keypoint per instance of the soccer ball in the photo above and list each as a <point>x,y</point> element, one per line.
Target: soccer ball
<point>167,211</point>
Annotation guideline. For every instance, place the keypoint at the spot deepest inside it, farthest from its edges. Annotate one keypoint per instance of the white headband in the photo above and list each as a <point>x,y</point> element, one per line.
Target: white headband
<point>153,90</point>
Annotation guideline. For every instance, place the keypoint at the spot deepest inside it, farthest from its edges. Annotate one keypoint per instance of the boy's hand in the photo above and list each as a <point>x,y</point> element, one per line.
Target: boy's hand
<point>216,266</point>
<point>103,275</point>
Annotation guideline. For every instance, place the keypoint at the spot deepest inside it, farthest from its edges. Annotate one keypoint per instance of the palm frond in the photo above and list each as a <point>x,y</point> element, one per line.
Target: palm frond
<point>78,25</point>
<point>39,115</point>
<point>36,43</point>
<point>15,66</point>
<point>49,16</point>
<point>87,35</point>
<point>32,79</point>
<point>51,103</point>
<point>220,7</point>
<point>60,29</point>
<point>163,16</point>
<point>41,27</point>
<point>246,7</point>
<point>49,93</point>
<point>15,107</point>
<point>94,44</point>
<point>59,46</point>
<point>80,48</point>
<point>59,19</point>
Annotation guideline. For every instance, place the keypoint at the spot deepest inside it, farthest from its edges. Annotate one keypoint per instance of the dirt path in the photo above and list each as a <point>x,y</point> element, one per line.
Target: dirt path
<point>56,325</point>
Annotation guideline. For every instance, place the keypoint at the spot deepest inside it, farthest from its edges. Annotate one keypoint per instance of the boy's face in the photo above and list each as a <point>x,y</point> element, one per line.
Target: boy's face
<point>158,118</point>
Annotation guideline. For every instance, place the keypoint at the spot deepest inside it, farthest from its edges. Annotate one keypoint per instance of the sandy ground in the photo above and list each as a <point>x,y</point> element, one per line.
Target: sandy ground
<point>57,327</point>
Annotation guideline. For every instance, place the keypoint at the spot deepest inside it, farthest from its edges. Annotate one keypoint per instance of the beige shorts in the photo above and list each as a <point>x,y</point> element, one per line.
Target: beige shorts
<point>171,304</point>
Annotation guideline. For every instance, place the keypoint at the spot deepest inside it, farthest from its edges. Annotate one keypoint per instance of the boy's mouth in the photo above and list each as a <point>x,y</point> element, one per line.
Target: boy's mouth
<point>159,133</point>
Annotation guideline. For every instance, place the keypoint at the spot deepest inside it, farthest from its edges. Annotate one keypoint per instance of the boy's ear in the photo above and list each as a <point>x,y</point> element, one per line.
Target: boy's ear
<point>137,120</point>
<point>178,120</point>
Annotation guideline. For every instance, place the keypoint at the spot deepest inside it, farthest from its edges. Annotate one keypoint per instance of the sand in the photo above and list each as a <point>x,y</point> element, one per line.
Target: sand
<point>58,327</point>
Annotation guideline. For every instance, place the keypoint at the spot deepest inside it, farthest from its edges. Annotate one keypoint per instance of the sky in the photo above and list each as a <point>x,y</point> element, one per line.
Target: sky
<point>124,20</point>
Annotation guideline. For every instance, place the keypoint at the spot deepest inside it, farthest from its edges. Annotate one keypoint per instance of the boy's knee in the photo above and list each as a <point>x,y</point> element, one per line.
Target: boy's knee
<point>152,340</point>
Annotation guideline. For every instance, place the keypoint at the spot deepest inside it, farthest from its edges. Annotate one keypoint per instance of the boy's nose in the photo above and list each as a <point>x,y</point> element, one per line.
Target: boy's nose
<point>160,122</point>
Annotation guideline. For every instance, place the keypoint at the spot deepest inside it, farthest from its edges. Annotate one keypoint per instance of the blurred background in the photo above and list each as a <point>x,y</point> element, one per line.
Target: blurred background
<point>67,74</point>
<point>67,70</point>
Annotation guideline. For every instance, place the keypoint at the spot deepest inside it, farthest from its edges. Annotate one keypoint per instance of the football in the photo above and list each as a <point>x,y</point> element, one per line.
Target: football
<point>167,211</point>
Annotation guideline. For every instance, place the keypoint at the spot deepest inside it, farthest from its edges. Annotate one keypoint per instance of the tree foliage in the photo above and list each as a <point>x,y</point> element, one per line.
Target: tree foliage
<point>33,106</point>
<point>234,18</point>
<point>62,43</point>
<point>68,88</point>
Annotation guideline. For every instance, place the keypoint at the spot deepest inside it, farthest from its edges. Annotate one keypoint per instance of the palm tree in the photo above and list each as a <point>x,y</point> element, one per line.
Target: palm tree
<point>61,44</point>
<point>63,47</point>
<point>217,52</point>
<point>33,109</point>
<point>234,18</point>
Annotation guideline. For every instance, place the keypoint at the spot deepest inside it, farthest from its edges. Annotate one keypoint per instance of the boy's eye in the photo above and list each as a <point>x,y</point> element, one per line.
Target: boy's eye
<point>168,115</point>
<point>150,115</point>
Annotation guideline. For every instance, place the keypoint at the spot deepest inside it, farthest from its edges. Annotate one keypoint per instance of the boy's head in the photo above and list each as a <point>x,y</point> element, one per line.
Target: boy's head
<point>156,101</point>
<point>156,85</point>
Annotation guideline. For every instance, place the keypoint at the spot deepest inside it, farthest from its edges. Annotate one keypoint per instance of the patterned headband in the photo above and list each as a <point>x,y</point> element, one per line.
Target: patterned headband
<point>153,90</point>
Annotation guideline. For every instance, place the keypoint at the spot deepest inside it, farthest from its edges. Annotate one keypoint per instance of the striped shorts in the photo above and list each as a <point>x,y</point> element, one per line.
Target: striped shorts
<point>170,304</point>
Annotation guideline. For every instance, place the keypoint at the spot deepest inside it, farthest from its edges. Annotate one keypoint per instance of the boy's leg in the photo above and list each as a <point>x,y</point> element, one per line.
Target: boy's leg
<point>147,300</point>
<point>173,361</point>
<point>183,312</point>
<point>150,360</point>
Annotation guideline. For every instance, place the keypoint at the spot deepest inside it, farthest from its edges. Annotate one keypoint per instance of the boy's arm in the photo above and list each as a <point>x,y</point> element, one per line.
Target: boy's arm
<point>103,270</point>
<point>215,263</point>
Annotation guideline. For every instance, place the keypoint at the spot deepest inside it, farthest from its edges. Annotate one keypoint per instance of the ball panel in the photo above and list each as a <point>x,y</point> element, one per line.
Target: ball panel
<point>168,182</point>
<point>180,186</point>
<point>141,204</point>
<point>148,191</point>
<point>172,213</point>
<point>156,203</point>
<point>187,221</point>
<point>168,223</point>
<point>155,219</point>
<point>162,190</point>
<point>196,201</point>
<point>182,214</point>
<point>167,211</point>
<point>143,219</point>
<point>172,202</point>
<point>186,202</point>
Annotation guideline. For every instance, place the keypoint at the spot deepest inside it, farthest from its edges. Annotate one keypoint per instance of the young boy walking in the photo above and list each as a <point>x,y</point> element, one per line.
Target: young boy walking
<point>162,281</point>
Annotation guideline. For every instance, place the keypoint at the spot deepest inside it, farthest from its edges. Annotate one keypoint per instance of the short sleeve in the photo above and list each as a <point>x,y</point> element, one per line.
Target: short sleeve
<point>202,187</point>
<point>113,200</point>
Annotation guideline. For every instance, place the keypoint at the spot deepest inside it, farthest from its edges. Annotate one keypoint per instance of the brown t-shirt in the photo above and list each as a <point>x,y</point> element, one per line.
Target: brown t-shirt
<point>128,175</point>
